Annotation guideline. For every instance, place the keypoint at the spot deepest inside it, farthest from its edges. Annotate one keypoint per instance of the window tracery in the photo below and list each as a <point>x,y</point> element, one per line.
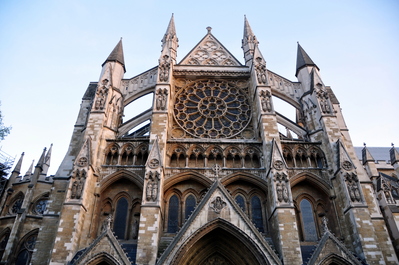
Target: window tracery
<point>212,109</point>
<point>25,249</point>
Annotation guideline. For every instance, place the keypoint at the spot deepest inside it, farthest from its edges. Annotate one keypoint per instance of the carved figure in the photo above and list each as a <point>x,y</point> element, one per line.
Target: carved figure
<point>102,92</point>
<point>265,101</point>
<point>217,204</point>
<point>135,229</point>
<point>79,188</point>
<point>285,192</point>
<point>260,69</point>
<point>154,192</point>
<point>164,67</point>
<point>149,190</point>
<point>161,99</point>
<point>279,192</point>
<point>74,189</point>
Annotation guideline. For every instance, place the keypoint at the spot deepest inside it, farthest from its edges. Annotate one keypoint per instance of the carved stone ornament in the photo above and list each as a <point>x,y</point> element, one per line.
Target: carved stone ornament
<point>260,68</point>
<point>164,66</point>
<point>265,101</point>
<point>154,163</point>
<point>347,165</point>
<point>101,95</point>
<point>217,204</point>
<point>82,162</point>
<point>278,164</point>
<point>152,186</point>
<point>161,96</point>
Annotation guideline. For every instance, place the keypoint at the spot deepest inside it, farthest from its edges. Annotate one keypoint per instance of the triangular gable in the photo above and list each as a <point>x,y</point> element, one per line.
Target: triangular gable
<point>84,156</point>
<point>209,51</point>
<point>277,160</point>
<point>344,160</point>
<point>329,247</point>
<point>106,246</point>
<point>217,205</point>
<point>154,158</point>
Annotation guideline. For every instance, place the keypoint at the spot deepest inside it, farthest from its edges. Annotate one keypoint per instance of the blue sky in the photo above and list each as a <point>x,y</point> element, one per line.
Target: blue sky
<point>51,50</point>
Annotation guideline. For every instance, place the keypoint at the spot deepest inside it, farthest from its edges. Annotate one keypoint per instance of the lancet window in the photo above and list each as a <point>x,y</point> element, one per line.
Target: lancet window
<point>120,219</point>
<point>25,248</point>
<point>256,213</point>
<point>112,155</point>
<point>173,214</point>
<point>189,206</point>
<point>308,223</point>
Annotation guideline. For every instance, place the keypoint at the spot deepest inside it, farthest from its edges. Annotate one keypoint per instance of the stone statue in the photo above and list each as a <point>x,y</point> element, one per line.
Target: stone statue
<point>265,101</point>
<point>154,192</point>
<point>279,192</point>
<point>149,190</point>
<point>260,69</point>
<point>101,94</point>
<point>164,67</point>
<point>285,192</point>
<point>161,99</point>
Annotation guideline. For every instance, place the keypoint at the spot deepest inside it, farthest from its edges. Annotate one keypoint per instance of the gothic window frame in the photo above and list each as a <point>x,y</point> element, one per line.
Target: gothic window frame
<point>111,157</point>
<point>142,153</point>
<point>187,214</point>
<point>262,228</point>
<point>4,237</point>
<point>16,203</point>
<point>301,225</point>
<point>245,201</point>
<point>168,228</point>
<point>127,155</point>
<point>26,245</point>
<point>117,198</point>
<point>38,208</point>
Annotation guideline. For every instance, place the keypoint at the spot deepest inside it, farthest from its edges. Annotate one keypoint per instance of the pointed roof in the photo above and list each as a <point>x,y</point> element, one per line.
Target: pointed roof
<point>394,155</point>
<point>218,207</point>
<point>338,251</point>
<point>106,240</point>
<point>247,29</point>
<point>47,159</point>
<point>17,168</point>
<point>366,155</point>
<point>209,51</point>
<point>171,30</point>
<point>116,55</point>
<point>303,60</point>
<point>30,169</point>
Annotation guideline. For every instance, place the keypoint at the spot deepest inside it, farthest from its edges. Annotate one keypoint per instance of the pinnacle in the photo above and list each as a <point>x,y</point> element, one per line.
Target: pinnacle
<point>117,55</point>
<point>303,60</point>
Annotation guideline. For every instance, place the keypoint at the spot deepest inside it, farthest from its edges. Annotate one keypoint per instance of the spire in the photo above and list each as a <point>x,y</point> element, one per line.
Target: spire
<point>47,159</point>
<point>247,30</point>
<point>41,159</point>
<point>30,169</point>
<point>17,168</point>
<point>366,155</point>
<point>303,60</point>
<point>117,55</point>
<point>249,43</point>
<point>170,41</point>
<point>394,155</point>
<point>171,30</point>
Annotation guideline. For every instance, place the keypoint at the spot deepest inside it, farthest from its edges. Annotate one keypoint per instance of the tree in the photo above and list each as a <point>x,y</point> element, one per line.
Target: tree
<point>4,131</point>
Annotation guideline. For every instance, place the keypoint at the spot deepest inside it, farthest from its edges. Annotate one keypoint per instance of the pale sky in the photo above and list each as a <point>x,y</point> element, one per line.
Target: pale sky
<point>51,50</point>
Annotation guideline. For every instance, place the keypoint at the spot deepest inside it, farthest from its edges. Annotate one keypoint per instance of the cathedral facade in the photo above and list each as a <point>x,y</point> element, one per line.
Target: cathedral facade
<point>210,178</point>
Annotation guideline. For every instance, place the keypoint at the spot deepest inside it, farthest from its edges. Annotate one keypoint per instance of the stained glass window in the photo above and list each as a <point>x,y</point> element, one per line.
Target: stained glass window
<point>173,215</point>
<point>190,205</point>
<point>121,218</point>
<point>256,210</point>
<point>309,227</point>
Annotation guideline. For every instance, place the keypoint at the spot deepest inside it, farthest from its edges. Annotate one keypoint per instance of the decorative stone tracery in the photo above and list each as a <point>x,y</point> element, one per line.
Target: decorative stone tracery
<point>352,184</point>
<point>212,109</point>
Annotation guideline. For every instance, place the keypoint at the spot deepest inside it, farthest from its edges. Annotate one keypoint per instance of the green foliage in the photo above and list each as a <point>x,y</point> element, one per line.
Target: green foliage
<point>4,131</point>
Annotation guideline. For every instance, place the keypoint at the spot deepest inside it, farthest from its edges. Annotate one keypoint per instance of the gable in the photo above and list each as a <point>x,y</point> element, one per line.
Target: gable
<point>209,51</point>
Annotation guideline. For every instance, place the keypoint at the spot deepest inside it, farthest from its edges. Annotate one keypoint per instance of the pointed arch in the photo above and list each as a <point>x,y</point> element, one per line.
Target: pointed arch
<point>191,175</point>
<point>314,179</point>
<point>25,248</point>
<point>102,258</point>
<point>107,181</point>
<point>220,237</point>
<point>255,180</point>
<point>4,236</point>
<point>334,259</point>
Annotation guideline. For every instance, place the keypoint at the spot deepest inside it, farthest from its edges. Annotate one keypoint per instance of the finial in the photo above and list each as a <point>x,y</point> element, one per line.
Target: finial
<point>208,29</point>
<point>392,145</point>
<point>364,144</point>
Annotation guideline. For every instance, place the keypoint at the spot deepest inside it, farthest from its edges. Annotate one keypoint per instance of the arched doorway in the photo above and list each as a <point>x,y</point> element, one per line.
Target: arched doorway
<point>220,243</point>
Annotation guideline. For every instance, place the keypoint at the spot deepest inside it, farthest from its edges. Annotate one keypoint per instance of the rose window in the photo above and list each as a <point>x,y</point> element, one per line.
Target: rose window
<point>212,109</point>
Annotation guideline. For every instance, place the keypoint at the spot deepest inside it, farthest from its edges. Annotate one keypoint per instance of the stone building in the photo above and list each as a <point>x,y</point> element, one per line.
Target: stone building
<point>210,179</point>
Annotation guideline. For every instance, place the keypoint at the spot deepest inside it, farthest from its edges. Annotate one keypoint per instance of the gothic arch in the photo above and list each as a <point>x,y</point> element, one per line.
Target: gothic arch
<point>102,258</point>
<point>314,179</point>
<point>39,204</point>
<point>107,181</point>
<point>191,175</point>
<point>25,247</point>
<point>245,177</point>
<point>334,259</point>
<point>220,238</point>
